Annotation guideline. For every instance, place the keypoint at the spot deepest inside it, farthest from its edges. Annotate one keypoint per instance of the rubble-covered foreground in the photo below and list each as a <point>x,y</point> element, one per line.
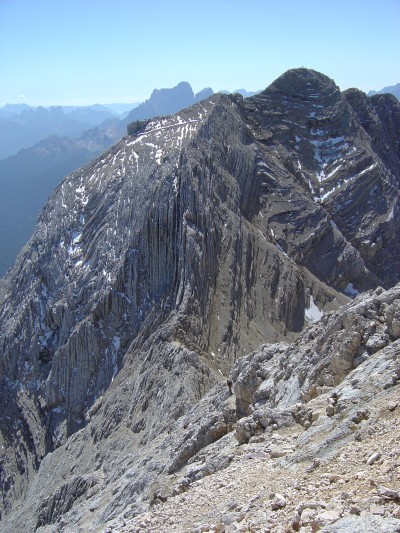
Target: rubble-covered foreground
<point>328,463</point>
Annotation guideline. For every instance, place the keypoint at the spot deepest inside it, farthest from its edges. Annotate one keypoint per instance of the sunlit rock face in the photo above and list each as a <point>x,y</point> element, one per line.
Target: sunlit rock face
<point>232,224</point>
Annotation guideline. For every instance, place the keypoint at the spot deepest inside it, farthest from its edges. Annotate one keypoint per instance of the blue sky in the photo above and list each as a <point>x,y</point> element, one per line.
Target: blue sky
<point>79,52</point>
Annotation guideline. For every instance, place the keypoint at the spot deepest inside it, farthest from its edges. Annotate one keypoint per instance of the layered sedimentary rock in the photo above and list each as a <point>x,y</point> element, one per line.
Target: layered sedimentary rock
<point>344,149</point>
<point>232,224</point>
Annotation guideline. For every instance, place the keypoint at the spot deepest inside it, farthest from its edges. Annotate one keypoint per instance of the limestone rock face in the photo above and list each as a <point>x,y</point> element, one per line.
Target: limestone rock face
<point>344,149</point>
<point>206,234</point>
<point>278,377</point>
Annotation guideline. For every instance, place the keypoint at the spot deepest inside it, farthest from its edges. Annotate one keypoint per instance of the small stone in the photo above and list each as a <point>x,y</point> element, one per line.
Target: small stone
<point>295,523</point>
<point>332,478</point>
<point>279,502</point>
<point>377,509</point>
<point>323,519</point>
<point>373,458</point>
<point>231,505</point>
<point>392,406</point>
<point>310,505</point>
<point>330,410</point>
<point>230,518</point>
<point>276,452</point>
<point>315,415</point>
<point>387,493</point>
<point>307,516</point>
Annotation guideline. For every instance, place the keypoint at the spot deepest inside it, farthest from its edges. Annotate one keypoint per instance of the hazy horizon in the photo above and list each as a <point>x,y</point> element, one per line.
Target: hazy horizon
<point>112,103</point>
<point>82,53</point>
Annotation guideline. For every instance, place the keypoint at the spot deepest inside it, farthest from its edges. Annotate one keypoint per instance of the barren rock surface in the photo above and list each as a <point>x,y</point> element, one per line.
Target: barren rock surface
<point>234,228</point>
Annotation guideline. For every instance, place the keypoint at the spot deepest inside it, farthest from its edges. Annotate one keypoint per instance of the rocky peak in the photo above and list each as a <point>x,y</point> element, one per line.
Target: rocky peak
<point>204,93</point>
<point>380,117</point>
<point>163,102</point>
<point>328,140</point>
<point>191,242</point>
<point>306,85</point>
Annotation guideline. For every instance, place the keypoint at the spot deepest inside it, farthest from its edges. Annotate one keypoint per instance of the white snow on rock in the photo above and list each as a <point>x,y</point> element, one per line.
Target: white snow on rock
<point>326,151</point>
<point>313,313</point>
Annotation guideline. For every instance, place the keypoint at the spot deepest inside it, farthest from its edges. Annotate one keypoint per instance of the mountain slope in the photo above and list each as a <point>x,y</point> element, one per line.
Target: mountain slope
<point>34,172</point>
<point>26,181</point>
<point>157,265</point>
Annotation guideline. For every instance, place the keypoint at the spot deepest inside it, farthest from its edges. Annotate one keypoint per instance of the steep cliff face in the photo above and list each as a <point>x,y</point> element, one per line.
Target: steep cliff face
<point>347,156</point>
<point>186,245</point>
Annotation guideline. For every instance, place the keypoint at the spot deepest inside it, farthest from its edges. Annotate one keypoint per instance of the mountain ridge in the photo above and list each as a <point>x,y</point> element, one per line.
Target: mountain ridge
<point>23,167</point>
<point>156,266</point>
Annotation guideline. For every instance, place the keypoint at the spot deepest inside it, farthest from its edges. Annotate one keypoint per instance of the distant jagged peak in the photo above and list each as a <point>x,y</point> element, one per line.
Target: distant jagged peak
<point>204,93</point>
<point>183,87</point>
<point>164,102</point>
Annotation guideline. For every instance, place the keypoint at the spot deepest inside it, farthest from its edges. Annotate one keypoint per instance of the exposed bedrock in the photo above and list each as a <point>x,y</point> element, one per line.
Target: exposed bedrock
<point>204,235</point>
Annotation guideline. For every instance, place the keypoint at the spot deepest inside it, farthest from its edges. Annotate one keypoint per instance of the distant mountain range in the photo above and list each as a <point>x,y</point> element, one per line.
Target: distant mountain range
<point>22,125</point>
<point>26,181</point>
<point>9,110</point>
<point>30,125</point>
<point>29,177</point>
<point>392,89</point>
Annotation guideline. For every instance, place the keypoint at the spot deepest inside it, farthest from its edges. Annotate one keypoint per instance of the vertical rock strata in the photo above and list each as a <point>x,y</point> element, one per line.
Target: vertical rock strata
<point>152,269</point>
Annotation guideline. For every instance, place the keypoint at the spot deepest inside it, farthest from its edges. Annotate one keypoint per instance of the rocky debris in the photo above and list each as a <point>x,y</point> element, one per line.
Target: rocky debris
<point>373,458</point>
<point>314,478</point>
<point>387,493</point>
<point>335,495</point>
<point>367,524</point>
<point>278,502</point>
<point>213,233</point>
<point>213,427</point>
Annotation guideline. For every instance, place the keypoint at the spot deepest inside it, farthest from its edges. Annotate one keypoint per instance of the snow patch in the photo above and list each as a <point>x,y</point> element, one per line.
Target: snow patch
<point>313,313</point>
<point>159,156</point>
<point>280,248</point>
<point>326,150</point>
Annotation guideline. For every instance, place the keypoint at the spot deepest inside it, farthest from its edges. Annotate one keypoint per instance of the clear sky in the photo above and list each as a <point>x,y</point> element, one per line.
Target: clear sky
<point>80,52</point>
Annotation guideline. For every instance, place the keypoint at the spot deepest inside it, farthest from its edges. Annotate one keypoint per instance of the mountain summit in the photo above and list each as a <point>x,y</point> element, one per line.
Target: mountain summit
<point>153,269</point>
<point>167,102</point>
